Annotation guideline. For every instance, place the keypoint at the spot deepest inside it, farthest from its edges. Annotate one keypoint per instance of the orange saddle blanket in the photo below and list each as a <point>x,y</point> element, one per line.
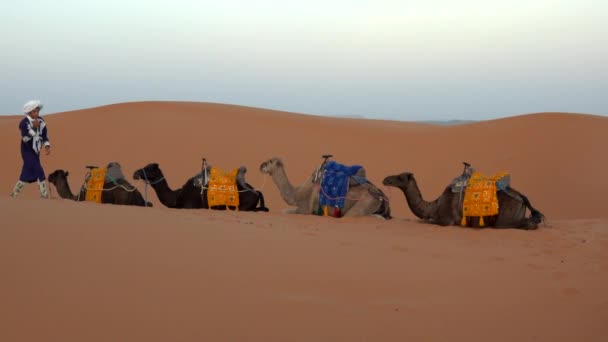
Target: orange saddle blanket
<point>95,185</point>
<point>480,197</point>
<point>222,188</point>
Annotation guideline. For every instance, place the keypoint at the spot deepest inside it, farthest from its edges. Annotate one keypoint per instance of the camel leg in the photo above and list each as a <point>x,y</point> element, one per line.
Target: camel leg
<point>364,207</point>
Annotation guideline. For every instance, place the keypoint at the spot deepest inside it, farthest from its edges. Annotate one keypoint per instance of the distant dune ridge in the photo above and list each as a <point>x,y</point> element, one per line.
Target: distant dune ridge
<point>82,271</point>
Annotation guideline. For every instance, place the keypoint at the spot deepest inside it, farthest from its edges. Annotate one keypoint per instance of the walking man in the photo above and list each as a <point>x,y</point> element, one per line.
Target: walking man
<point>34,135</point>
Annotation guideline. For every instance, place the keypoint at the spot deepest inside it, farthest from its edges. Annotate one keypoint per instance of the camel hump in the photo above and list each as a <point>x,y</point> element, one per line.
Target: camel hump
<point>361,173</point>
<point>114,172</point>
<point>240,178</point>
<point>350,171</point>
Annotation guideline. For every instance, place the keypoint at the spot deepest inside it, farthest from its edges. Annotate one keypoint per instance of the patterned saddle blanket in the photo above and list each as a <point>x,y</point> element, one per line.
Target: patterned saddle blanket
<point>480,197</point>
<point>97,178</point>
<point>335,183</point>
<point>222,188</point>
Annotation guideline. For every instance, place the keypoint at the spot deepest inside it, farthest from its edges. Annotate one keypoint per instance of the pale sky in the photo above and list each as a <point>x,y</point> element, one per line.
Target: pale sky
<point>404,60</point>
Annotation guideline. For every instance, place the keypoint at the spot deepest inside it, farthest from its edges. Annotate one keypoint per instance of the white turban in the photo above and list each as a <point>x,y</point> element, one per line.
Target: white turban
<point>31,105</point>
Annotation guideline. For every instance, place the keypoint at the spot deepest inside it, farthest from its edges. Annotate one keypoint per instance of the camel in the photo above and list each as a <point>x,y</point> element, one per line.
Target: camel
<point>120,193</point>
<point>189,196</point>
<point>447,209</point>
<point>361,199</point>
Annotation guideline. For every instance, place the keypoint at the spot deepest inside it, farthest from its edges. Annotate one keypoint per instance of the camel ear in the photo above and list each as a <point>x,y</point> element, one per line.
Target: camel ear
<point>67,173</point>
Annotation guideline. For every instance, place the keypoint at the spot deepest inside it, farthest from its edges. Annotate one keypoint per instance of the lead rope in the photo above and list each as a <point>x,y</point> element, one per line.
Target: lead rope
<point>146,183</point>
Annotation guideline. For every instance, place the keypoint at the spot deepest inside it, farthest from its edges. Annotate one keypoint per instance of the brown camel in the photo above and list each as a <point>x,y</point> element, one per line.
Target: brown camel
<point>361,199</point>
<point>118,192</point>
<point>447,209</point>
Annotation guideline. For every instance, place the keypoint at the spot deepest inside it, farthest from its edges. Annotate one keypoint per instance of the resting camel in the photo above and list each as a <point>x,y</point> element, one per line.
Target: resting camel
<point>361,199</point>
<point>120,193</point>
<point>447,209</point>
<point>189,195</point>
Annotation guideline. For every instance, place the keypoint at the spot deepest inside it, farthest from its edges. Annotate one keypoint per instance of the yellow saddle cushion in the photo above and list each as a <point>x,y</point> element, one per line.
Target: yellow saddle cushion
<point>480,197</point>
<point>222,188</point>
<point>95,185</point>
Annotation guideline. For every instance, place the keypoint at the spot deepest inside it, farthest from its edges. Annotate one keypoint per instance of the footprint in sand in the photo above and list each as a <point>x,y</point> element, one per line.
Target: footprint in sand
<point>570,291</point>
<point>400,249</point>
<point>535,267</point>
<point>559,275</point>
<point>439,255</point>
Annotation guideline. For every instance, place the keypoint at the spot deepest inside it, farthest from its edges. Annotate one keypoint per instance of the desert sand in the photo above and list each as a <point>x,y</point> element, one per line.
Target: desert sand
<point>90,272</point>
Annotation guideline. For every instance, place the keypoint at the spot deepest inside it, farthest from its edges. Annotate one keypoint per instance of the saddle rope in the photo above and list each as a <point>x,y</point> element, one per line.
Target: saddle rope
<point>252,189</point>
<point>146,183</point>
<point>367,187</point>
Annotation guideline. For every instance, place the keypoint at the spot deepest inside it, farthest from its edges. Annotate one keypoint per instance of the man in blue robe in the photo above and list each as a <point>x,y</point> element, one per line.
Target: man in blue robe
<point>34,135</point>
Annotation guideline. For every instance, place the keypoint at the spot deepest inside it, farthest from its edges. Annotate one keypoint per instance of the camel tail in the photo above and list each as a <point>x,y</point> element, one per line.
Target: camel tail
<point>536,216</point>
<point>262,207</point>
<point>385,210</point>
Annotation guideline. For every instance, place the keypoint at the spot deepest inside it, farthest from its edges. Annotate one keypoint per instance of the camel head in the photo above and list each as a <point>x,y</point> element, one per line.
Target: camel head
<point>58,175</point>
<point>270,165</point>
<point>399,181</point>
<point>149,173</point>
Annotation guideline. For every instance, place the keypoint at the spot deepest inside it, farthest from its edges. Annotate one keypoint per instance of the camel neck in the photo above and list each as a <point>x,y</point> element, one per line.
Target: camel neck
<point>287,190</point>
<point>421,208</point>
<point>166,195</point>
<point>64,191</point>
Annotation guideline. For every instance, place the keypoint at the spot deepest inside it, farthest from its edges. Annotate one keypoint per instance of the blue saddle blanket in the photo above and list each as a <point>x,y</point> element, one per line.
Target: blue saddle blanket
<point>334,184</point>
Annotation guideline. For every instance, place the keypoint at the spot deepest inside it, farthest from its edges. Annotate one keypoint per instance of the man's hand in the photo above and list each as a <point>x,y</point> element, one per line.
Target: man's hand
<point>47,150</point>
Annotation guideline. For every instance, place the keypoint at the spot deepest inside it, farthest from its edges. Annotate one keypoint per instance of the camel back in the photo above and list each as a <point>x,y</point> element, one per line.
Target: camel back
<point>97,177</point>
<point>480,197</point>
<point>222,188</point>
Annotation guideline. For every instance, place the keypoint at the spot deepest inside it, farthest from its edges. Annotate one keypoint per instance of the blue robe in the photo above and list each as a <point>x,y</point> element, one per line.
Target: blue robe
<point>32,140</point>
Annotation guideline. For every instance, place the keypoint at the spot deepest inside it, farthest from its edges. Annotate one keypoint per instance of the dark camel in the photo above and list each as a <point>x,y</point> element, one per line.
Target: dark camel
<point>122,193</point>
<point>447,209</point>
<point>189,195</point>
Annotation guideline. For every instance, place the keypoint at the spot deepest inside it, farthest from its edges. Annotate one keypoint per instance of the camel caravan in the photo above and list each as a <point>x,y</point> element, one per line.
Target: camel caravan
<point>332,189</point>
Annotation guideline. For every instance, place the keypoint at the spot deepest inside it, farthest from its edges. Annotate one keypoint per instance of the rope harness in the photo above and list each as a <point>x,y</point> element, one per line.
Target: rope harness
<point>245,190</point>
<point>147,182</point>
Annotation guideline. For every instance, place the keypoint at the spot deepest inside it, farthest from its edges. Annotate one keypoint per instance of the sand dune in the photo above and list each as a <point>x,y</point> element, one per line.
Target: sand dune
<point>86,272</point>
<point>555,159</point>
